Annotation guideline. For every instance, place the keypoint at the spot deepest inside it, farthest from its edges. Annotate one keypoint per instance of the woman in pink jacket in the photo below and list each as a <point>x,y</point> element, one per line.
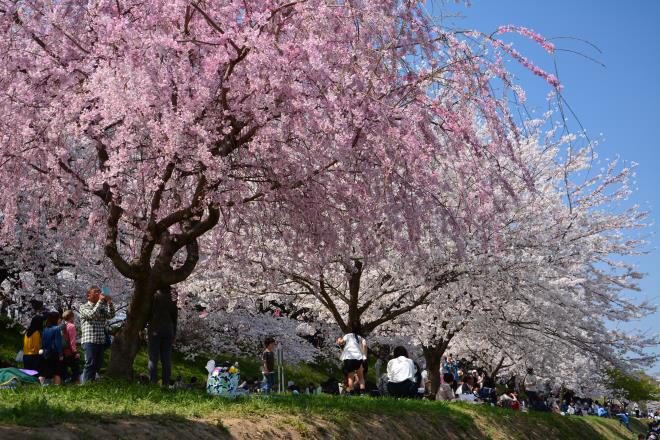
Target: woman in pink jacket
<point>71,355</point>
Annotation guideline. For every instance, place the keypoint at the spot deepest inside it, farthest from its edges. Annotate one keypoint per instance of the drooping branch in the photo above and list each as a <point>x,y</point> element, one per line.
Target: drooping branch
<point>391,312</point>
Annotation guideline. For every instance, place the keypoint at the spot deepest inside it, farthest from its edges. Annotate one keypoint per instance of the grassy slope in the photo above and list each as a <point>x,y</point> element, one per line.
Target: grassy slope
<point>107,402</point>
<point>184,413</point>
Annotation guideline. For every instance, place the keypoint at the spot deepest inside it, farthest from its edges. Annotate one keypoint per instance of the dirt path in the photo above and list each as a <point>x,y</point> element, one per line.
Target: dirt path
<point>284,427</point>
<point>297,427</point>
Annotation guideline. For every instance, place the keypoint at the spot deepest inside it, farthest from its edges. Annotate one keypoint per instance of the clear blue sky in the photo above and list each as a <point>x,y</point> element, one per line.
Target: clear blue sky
<point>621,101</point>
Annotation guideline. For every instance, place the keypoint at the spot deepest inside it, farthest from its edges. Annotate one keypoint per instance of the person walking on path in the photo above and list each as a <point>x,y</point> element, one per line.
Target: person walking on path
<point>161,332</point>
<point>71,367</point>
<point>353,356</point>
<point>93,320</point>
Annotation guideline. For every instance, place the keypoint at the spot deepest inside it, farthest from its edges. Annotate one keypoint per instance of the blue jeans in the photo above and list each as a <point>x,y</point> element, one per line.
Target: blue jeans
<point>93,360</point>
<point>160,345</point>
<point>268,383</point>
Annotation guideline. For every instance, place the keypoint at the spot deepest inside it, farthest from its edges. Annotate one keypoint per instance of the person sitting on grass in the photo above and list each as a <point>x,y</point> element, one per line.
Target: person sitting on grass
<point>465,391</point>
<point>291,386</point>
<point>178,383</point>
<point>446,390</point>
<point>192,384</point>
<point>401,375</point>
<point>624,420</point>
<point>509,400</point>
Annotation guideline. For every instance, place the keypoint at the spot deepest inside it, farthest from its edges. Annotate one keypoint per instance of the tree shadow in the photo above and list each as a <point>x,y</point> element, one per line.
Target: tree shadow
<point>37,419</point>
<point>298,418</point>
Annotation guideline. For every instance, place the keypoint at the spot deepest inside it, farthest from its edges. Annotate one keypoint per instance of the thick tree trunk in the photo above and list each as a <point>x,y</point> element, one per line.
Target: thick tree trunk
<point>433,356</point>
<point>126,342</point>
<point>354,314</point>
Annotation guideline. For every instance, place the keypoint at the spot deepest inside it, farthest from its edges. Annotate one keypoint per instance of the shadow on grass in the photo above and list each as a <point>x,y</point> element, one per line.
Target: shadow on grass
<point>121,410</point>
<point>36,418</point>
<point>506,424</point>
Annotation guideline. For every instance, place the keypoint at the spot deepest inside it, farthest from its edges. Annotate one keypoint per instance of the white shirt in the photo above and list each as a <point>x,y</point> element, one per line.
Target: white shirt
<point>401,369</point>
<point>352,348</point>
<point>531,383</point>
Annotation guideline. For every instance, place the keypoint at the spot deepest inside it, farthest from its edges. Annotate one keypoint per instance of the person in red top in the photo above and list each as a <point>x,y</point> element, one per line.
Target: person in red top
<point>71,355</point>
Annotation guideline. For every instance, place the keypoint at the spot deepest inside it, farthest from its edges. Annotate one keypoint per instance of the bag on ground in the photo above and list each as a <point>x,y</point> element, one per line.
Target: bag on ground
<point>223,380</point>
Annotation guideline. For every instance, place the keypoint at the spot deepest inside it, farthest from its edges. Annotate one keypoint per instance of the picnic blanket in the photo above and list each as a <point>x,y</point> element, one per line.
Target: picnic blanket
<point>12,376</point>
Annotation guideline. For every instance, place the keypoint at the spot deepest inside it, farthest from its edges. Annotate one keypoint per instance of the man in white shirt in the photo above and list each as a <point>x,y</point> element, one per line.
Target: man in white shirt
<point>401,374</point>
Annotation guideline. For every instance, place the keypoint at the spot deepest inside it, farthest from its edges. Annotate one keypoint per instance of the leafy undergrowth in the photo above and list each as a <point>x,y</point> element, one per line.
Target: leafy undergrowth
<point>133,409</point>
<point>11,339</point>
<point>302,374</point>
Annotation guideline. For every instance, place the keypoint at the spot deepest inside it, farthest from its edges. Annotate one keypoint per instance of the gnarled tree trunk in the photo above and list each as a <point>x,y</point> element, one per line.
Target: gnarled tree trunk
<point>433,356</point>
<point>126,342</point>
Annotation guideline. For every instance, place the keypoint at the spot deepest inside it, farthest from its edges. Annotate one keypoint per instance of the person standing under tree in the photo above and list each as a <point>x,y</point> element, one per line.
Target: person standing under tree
<point>531,386</point>
<point>93,319</point>
<point>51,343</point>
<point>32,345</point>
<point>161,334</point>
<point>71,355</point>
<point>353,356</point>
<point>268,365</point>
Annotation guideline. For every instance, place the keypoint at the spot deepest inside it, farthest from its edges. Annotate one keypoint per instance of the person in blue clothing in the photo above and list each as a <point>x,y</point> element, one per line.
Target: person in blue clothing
<point>624,420</point>
<point>52,350</point>
<point>451,366</point>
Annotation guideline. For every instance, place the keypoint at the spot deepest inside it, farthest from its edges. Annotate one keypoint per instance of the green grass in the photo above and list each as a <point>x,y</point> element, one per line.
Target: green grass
<point>107,401</point>
<point>302,374</point>
<point>11,340</point>
<point>112,398</point>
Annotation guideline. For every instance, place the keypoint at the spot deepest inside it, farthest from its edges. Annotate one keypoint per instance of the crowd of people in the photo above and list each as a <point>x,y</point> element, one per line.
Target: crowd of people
<point>50,350</point>
<point>50,343</point>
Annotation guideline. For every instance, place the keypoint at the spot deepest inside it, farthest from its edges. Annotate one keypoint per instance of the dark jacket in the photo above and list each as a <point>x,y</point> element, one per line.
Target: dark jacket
<point>163,314</point>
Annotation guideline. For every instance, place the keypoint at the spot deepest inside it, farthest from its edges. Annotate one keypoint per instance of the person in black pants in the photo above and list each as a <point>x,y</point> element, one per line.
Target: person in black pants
<point>161,334</point>
<point>401,374</point>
